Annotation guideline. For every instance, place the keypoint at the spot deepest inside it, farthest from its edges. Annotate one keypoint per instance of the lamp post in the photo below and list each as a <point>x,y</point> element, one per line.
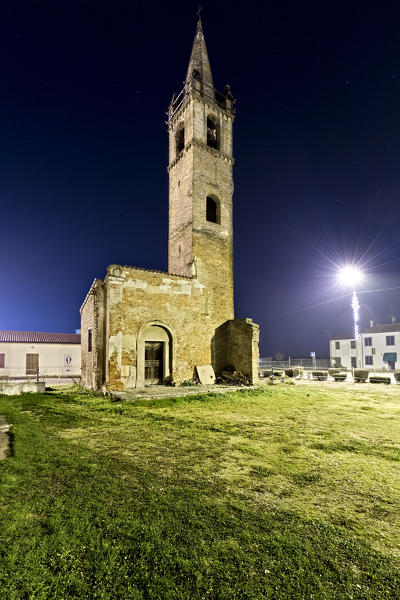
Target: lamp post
<point>350,276</point>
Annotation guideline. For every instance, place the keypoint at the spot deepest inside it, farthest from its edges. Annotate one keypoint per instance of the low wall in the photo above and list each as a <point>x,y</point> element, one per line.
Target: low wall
<point>10,388</point>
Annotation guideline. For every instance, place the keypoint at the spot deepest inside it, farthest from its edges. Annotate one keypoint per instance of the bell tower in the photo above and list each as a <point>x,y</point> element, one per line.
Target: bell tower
<point>200,123</point>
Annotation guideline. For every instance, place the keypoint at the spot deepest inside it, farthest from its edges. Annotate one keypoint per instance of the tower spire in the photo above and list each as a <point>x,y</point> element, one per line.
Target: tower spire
<point>199,70</point>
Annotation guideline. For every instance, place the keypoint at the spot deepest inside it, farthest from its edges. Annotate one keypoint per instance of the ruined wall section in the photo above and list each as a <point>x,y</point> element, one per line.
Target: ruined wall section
<point>235,343</point>
<point>136,298</point>
<point>92,318</point>
<point>242,347</point>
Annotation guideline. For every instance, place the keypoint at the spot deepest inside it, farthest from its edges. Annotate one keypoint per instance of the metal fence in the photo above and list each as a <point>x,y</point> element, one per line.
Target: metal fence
<point>313,364</point>
<point>45,373</point>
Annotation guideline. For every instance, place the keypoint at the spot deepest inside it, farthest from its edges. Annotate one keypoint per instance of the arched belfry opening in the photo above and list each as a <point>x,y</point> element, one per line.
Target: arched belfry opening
<point>180,138</point>
<point>213,212</point>
<point>212,132</point>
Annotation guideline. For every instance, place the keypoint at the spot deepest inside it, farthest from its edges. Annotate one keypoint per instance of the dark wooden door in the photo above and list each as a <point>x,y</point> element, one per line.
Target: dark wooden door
<point>153,362</point>
<point>32,364</point>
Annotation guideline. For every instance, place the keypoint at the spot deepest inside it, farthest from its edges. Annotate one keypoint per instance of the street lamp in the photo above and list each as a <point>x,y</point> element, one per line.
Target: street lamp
<point>350,276</point>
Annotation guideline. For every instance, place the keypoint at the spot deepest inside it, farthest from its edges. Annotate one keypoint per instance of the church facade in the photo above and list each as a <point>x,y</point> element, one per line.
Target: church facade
<point>142,327</point>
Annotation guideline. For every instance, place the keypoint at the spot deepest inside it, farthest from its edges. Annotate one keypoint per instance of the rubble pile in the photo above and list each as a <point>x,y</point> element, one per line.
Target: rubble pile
<point>229,376</point>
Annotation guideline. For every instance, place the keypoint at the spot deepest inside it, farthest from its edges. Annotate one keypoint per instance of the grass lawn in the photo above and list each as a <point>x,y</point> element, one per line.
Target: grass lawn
<point>288,492</point>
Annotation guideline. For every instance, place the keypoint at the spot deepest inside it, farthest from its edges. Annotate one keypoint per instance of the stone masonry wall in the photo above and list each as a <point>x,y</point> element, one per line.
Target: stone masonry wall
<point>180,216</point>
<point>92,317</point>
<point>137,298</point>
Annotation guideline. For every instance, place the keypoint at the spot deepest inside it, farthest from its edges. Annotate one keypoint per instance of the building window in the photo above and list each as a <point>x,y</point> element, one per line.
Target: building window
<point>353,344</point>
<point>368,360</point>
<point>180,139</point>
<point>212,210</point>
<point>89,340</point>
<point>390,340</point>
<point>32,364</point>
<point>354,362</point>
<point>337,345</point>
<point>212,132</point>
<point>368,341</point>
<point>2,360</point>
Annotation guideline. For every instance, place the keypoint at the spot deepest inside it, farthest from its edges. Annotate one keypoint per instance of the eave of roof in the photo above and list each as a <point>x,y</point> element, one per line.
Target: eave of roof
<point>383,328</point>
<point>39,337</point>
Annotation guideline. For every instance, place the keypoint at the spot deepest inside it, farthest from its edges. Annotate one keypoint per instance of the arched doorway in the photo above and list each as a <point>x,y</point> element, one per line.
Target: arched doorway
<point>154,354</point>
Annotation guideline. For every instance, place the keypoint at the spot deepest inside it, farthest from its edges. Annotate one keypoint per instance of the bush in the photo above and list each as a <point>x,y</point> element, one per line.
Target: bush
<point>340,377</point>
<point>378,379</point>
<point>397,376</point>
<point>333,372</point>
<point>361,375</point>
<point>320,375</point>
<point>269,373</point>
<point>277,373</point>
<point>292,372</point>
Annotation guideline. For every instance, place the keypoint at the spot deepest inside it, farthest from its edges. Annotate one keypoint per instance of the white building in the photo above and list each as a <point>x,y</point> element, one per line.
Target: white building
<point>343,351</point>
<point>377,347</point>
<point>28,353</point>
<point>380,347</point>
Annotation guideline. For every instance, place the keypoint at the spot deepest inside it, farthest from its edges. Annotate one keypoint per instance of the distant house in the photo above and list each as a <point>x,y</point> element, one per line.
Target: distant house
<point>343,351</point>
<point>380,345</point>
<point>26,353</point>
<point>377,347</point>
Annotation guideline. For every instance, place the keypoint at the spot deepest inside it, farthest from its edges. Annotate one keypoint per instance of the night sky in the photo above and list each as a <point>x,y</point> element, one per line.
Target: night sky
<point>84,149</point>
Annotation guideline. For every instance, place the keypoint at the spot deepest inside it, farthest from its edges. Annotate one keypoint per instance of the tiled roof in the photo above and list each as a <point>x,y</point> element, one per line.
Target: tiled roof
<point>385,328</point>
<point>39,337</point>
<point>343,336</point>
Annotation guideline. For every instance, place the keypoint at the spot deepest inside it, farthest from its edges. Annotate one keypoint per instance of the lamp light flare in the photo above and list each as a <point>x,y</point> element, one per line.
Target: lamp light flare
<point>350,276</point>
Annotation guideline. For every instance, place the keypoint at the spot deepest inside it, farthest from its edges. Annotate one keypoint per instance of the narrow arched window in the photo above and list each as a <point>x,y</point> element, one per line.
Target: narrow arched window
<point>180,139</point>
<point>212,132</point>
<point>212,210</point>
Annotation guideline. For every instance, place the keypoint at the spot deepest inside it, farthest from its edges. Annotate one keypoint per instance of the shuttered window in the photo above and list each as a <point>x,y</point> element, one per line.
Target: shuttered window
<point>2,360</point>
<point>32,364</point>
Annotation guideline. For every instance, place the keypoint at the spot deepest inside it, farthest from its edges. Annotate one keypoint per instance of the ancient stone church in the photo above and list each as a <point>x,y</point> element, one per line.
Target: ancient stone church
<point>141,327</point>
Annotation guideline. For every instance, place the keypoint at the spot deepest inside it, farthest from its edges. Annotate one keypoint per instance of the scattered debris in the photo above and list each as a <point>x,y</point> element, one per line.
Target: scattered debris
<point>230,376</point>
